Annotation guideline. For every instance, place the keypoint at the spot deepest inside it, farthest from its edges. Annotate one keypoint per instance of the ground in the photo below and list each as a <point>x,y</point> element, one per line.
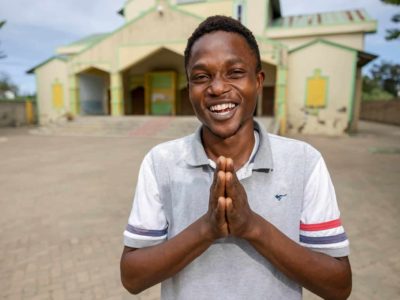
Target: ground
<point>66,193</point>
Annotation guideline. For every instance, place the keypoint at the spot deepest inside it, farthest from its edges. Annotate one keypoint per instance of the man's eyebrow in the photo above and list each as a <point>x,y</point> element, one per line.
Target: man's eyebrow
<point>199,66</point>
<point>203,66</point>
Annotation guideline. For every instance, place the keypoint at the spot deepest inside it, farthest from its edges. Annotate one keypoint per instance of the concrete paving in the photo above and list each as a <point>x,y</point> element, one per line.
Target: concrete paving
<point>66,192</point>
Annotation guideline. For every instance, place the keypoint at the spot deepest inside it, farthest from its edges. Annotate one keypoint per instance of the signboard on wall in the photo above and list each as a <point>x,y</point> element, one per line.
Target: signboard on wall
<point>161,93</point>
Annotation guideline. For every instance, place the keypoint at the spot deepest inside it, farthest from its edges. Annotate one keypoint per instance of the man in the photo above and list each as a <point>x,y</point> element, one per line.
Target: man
<point>232,212</point>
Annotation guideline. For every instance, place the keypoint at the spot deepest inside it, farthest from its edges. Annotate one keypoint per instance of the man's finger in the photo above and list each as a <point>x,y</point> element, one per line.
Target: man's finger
<point>219,189</point>
<point>221,207</point>
<point>221,164</point>
<point>230,185</point>
<point>229,206</point>
<point>230,167</point>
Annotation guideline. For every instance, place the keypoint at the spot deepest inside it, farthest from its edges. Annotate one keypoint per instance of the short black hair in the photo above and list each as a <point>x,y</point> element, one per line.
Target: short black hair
<point>223,23</point>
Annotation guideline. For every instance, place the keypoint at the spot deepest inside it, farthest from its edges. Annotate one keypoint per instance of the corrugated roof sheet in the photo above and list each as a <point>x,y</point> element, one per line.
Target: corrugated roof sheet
<point>322,19</point>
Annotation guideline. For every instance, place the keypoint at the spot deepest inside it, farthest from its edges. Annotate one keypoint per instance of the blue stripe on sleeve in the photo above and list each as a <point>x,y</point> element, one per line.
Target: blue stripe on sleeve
<point>146,232</point>
<point>323,239</point>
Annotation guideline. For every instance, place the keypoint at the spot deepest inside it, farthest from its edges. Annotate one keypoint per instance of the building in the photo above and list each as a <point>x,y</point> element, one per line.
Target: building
<point>312,63</point>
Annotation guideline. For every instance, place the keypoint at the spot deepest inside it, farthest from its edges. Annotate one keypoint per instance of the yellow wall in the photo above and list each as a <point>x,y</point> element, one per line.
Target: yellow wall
<point>151,29</point>
<point>333,119</point>
<point>257,16</point>
<point>204,9</point>
<point>54,72</point>
<point>134,8</point>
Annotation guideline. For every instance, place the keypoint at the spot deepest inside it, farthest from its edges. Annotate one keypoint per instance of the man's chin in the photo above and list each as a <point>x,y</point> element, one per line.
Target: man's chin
<point>223,133</point>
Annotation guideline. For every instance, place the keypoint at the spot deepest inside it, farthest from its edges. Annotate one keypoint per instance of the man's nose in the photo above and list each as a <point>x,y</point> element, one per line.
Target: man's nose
<point>218,86</point>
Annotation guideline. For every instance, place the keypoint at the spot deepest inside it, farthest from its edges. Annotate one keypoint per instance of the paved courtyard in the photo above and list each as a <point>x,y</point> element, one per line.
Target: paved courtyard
<point>66,191</point>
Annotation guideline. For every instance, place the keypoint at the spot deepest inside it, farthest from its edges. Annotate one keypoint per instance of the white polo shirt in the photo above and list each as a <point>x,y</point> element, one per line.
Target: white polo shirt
<point>286,182</point>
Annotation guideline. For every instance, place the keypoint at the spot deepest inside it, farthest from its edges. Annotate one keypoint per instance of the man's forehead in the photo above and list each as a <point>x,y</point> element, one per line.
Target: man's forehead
<point>212,44</point>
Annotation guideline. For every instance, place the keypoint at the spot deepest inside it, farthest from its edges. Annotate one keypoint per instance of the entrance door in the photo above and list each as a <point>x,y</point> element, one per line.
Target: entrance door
<point>161,95</point>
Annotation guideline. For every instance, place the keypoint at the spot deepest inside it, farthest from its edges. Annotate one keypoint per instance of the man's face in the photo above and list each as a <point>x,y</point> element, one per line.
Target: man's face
<point>223,82</point>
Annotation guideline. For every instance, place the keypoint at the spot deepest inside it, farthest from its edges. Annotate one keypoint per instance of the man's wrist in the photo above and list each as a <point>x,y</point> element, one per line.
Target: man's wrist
<point>256,228</point>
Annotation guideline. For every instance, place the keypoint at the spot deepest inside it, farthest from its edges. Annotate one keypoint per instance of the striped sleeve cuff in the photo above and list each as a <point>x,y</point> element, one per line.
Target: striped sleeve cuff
<point>135,237</point>
<point>328,237</point>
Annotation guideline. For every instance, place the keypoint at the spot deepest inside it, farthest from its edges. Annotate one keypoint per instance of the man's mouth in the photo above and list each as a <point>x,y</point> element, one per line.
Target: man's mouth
<point>222,108</point>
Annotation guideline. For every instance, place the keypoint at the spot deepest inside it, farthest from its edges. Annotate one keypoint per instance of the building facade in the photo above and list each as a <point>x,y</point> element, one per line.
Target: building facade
<point>312,64</point>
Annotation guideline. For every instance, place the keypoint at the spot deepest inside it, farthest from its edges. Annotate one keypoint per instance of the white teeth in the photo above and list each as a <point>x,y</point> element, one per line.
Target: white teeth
<point>223,106</point>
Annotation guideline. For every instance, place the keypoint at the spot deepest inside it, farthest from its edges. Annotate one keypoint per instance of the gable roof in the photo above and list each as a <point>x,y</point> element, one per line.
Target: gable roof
<point>363,57</point>
<point>81,44</point>
<point>322,19</point>
<point>59,57</point>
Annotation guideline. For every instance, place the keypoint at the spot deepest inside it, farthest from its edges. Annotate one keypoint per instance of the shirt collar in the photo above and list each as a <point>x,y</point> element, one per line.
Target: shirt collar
<point>262,160</point>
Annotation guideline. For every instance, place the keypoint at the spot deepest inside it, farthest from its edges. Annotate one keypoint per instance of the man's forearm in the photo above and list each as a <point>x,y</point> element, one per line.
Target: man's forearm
<point>145,267</point>
<point>326,276</point>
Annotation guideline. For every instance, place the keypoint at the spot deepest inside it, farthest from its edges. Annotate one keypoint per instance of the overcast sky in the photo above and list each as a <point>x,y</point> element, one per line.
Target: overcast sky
<point>34,29</point>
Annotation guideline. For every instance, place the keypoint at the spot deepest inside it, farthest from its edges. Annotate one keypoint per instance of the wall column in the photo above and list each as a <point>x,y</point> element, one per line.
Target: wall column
<point>281,97</point>
<point>357,104</point>
<point>74,104</point>
<point>117,93</point>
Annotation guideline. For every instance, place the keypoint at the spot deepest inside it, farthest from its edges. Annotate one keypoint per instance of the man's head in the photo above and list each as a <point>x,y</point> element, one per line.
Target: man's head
<point>224,74</point>
<point>227,24</point>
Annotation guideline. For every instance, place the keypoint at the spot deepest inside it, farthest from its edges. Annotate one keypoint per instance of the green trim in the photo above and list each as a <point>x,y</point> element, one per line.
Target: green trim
<point>140,16</point>
<point>199,2</point>
<point>32,70</point>
<point>352,89</point>
<point>323,41</point>
<point>281,95</point>
<point>184,12</point>
<point>270,41</point>
<point>161,42</point>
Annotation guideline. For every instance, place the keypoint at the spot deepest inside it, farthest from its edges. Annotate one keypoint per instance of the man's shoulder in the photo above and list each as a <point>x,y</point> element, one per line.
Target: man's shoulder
<point>289,144</point>
<point>173,150</point>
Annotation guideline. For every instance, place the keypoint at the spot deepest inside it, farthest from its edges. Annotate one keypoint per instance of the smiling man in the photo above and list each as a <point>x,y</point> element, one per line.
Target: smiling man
<point>232,212</point>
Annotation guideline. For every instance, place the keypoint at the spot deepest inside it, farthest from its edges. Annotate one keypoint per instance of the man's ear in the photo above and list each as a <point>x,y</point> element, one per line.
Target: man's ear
<point>260,80</point>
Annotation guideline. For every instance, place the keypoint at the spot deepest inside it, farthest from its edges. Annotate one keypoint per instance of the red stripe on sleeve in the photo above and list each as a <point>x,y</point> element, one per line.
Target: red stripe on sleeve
<point>321,226</point>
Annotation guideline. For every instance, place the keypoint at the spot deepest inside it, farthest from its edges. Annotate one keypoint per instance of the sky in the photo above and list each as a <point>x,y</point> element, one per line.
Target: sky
<point>34,29</point>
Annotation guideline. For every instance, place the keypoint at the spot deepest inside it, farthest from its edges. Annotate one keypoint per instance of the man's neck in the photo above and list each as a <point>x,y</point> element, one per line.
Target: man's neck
<point>238,147</point>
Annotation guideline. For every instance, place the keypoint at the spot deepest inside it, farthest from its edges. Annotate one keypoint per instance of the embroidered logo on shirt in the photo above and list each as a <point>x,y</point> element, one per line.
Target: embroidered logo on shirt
<point>279,197</point>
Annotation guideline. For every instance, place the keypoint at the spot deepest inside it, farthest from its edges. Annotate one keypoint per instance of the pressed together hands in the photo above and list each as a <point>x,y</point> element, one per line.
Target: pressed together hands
<point>228,212</point>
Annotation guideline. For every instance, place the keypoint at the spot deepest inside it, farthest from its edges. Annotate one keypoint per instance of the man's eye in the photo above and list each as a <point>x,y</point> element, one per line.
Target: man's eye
<point>198,78</point>
<point>237,73</point>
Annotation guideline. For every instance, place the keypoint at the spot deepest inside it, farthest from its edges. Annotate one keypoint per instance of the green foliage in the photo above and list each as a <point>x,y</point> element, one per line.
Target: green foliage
<point>393,2</point>
<point>383,83</point>
<point>377,95</point>
<point>6,85</point>
<point>2,55</point>
<point>393,33</point>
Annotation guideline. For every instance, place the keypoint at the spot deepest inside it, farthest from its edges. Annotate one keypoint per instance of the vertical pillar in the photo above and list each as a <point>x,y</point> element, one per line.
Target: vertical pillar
<point>281,97</point>
<point>117,92</point>
<point>357,103</point>
<point>74,103</point>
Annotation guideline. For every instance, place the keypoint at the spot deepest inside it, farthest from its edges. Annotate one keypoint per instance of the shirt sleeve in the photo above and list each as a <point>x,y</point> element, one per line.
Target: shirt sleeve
<point>147,224</point>
<point>320,227</point>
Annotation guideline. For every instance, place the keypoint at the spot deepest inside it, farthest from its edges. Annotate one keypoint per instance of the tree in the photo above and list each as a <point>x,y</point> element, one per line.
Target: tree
<point>383,83</point>
<point>394,33</point>
<point>2,55</point>
<point>7,86</point>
